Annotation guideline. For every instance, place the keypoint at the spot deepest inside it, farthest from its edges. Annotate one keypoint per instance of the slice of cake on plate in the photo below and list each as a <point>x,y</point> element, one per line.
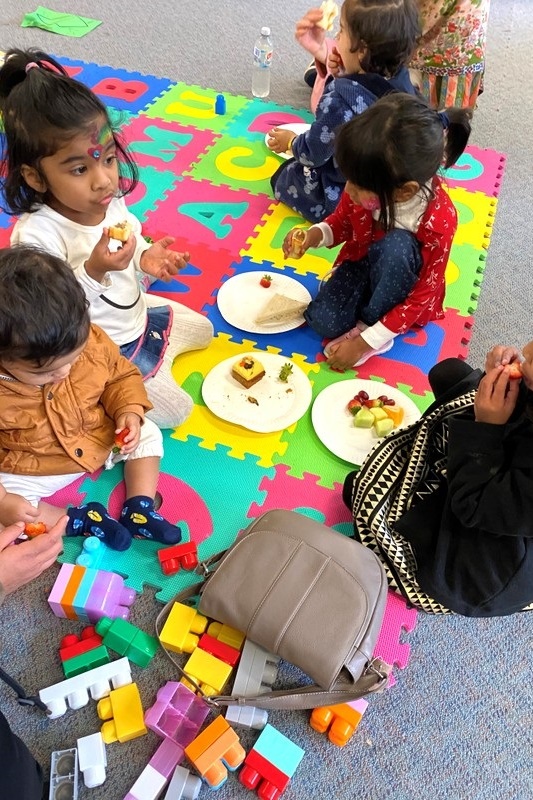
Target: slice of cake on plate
<point>247,371</point>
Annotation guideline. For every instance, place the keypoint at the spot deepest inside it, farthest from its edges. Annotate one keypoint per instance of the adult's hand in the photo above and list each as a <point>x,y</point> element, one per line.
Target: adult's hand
<point>21,563</point>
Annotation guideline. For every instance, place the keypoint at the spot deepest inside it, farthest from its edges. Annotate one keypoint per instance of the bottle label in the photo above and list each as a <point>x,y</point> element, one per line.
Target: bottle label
<point>262,57</point>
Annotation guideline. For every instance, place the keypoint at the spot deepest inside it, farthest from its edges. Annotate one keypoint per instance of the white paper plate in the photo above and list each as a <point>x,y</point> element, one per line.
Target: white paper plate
<point>241,298</point>
<point>333,423</point>
<point>295,127</point>
<point>279,404</point>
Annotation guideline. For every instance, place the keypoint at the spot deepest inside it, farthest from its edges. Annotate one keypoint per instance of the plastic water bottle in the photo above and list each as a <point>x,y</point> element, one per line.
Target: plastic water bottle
<point>262,64</point>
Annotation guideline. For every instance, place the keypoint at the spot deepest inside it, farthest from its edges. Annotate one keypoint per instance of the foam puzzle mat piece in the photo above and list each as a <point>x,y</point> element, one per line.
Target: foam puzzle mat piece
<point>398,619</point>
<point>204,179</point>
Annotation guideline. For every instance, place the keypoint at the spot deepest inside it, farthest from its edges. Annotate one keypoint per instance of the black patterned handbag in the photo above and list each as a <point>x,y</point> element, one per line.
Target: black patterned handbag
<point>406,466</point>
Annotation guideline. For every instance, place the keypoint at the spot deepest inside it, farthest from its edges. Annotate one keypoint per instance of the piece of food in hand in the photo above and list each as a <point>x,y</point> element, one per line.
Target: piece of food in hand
<point>514,371</point>
<point>121,231</point>
<point>285,371</point>
<point>280,309</point>
<point>32,529</point>
<point>329,10</point>
<point>247,371</point>
<point>297,243</point>
<point>120,440</point>
<point>266,281</point>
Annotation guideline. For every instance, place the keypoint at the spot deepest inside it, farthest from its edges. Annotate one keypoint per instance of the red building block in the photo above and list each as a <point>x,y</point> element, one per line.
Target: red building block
<point>226,653</point>
<point>258,773</point>
<point>72,645</point>
<point>181,556</point>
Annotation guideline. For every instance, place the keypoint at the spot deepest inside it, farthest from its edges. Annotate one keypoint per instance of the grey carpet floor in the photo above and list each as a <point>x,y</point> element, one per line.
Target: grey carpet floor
<point>457,726</point>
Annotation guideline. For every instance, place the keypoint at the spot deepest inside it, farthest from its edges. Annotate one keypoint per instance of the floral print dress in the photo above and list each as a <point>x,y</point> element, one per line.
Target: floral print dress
<point>450,58</point>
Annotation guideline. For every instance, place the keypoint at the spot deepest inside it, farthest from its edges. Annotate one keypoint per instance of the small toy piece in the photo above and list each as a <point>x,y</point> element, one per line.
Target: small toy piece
<point>226,653</point>
<point>92,759</point>
<point>179,556</point>
<point>285,371</point>
<point>266,281</point>
<point>181,629</point>
<point>220,104</point>
<point>93,552</point>
<point>270,764</point>
<point>216,748</point>
<point>177,714</point>
<point>83,662</point>
<point>120,231</point>
<point>72,645</point>
<point>256,673</point>
<point>32,529</point>
<point>226,634</point>
<point>209,672</point>
<point>183,785</point>
<point>89,594</point>
<point>124,714</point>
<point>75,691</point>
<point>64,775</point>
<point>341,720</point>
<point>157,772</point>
<point>297,243</point>
<point>128,640</point>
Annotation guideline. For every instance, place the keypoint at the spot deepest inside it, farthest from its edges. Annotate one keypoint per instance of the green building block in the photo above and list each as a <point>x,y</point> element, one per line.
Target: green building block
<point>127,640</point>
<point>86,661</point>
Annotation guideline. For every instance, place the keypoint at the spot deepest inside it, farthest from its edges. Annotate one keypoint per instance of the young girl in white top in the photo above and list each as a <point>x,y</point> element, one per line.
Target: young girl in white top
<point>66,173</point>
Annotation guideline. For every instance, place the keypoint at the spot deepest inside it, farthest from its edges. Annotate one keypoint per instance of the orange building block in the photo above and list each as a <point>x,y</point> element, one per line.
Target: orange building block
<point>341,720</point>
<point>208,671</point>
<point>182,629</point>
<point>124,712</point>
<point>70,591</point>
<point>215,750</point>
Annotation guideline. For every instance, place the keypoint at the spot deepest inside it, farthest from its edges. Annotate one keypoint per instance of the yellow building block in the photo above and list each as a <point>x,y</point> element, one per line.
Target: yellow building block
<point>226,634</point>
<point>124,712</point>
<point>209,672</point>
<point>181,629</point>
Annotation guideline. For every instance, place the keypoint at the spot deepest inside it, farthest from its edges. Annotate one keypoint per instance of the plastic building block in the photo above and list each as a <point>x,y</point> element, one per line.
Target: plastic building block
<point>177,714</point>
<point>220,104</point>
<point>89,594</point>
<point>157,772</point>
<point>180,556</point>
<point>124,714</point>
<point>74,692</point>
<point>92,759</point>
<point>214,751</point>
<point>256,673</point>
<point>181,629</point>
<point>128,640</point>
<point>226,653</point>
<point>72,645</point>
<point>64,774</point>
<point>209,672</point>
<point>183,785</point>
<point>270,764</point>
<point>341,720</point>
<point>86,661</point>
<point>226,634</point>
<point>93,552</point>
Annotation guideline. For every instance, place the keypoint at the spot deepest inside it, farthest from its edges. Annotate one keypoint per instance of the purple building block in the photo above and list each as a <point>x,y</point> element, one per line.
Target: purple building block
<point>109,597</point>
<point>157,772</point>
<point>178,714</point>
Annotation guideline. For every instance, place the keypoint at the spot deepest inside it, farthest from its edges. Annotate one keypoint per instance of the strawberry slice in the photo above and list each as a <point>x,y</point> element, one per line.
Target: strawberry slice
<point>514,371</point>
<point>119,440</point>
<point>265,281</point>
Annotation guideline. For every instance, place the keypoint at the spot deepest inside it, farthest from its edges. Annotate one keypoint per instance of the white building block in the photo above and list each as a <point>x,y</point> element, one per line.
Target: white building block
<point>74,692</point>
<point>64,774</point>
<point>183,785</point>
<point>92,759</point>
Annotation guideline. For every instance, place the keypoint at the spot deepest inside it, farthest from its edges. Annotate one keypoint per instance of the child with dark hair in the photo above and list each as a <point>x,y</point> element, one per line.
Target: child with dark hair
<point>374,44</point>
<point>62,174</point>
<point>65,394</point>
<point>397,223</point>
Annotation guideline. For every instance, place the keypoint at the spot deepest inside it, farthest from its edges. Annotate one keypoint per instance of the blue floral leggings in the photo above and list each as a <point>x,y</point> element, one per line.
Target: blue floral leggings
<point>365,290</point>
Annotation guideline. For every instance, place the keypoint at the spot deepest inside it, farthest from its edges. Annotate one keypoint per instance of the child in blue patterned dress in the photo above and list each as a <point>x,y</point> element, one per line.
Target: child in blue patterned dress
<point>368,64</point>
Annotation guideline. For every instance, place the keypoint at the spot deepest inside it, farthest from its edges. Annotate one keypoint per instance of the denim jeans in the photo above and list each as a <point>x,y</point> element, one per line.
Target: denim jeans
<point>147,351</point>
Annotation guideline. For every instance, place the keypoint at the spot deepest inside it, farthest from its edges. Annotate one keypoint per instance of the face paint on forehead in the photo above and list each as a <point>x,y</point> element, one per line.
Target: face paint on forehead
<point>100,137</point>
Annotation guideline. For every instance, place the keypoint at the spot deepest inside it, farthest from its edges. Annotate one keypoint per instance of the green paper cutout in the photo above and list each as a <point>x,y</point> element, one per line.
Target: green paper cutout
<point>57,22</point>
